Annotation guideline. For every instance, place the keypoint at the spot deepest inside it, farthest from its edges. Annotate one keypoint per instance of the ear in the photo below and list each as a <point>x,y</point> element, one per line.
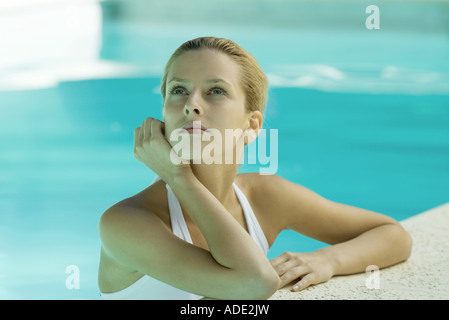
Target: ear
<point>255,121</point>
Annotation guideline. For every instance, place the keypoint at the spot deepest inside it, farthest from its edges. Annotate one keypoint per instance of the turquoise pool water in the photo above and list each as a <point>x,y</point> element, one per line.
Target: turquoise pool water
<point>358,123</point>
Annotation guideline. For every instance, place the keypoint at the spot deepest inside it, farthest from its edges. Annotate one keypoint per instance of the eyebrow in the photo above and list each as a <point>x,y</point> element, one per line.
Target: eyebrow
<point>178,80</point>
<point>217,80</point>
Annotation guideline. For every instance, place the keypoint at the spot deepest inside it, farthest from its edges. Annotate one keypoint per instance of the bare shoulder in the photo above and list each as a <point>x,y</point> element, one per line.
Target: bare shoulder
<point>257,180</point>
<point>123,227</point>
<point>134,218</point>
<point>265,194</point>
<point>289,205</point>
<point>151,201</point>
<point>280,195</point>
<point>262,187</point>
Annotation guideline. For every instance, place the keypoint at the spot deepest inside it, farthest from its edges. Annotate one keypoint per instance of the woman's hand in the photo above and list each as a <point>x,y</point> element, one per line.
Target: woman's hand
<point>311,268</point>
<point>152,149</point>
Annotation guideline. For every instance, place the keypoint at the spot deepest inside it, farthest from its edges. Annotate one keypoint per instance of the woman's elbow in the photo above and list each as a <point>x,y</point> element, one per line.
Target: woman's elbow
<point>271,285</point>
<point>408,244</point>
<point>403,241</point>
<point>265,284</point>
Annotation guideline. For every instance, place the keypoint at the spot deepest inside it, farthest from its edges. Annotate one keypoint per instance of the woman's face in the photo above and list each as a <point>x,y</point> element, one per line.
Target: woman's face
<point>204,85</point>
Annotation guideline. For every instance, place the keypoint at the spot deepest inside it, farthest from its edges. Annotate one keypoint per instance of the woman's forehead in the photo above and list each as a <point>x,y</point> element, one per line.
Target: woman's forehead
<point>209,65</point>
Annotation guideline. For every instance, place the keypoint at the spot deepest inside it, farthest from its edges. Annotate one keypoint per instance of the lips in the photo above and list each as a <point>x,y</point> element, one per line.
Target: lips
<point>195,127</point>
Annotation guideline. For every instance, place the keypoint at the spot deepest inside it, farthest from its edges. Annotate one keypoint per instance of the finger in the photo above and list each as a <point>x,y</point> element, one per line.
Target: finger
<point>137,139</point>
<point>283,267</point>
<point>137,143</point>
<point>156,128</point>
<point>305,282</point>
<point>146,130</point>
<point>293,274</point>
<point>279,259</point>
<point>136,134</point>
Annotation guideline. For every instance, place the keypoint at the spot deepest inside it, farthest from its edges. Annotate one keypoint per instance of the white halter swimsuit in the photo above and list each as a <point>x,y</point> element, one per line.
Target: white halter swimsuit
<point>148,288</point>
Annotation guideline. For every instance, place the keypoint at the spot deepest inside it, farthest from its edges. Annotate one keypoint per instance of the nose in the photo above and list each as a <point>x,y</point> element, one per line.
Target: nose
<point>190,111</point>
<point>192,108</point>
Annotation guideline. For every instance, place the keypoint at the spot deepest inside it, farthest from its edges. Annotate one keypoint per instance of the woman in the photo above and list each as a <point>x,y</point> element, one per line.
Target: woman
<point>204,230</point>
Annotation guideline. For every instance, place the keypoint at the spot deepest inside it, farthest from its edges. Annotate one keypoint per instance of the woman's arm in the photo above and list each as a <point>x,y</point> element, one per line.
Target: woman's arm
<point>235,267</point>
<point>230,245</point>
<point>358,237</point>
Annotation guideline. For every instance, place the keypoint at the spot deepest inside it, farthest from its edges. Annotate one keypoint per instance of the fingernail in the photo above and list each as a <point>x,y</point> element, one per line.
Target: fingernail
<point>295,288</point>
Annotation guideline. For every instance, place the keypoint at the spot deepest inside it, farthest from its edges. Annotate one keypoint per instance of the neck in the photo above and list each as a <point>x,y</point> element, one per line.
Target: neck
<point>217,179</point>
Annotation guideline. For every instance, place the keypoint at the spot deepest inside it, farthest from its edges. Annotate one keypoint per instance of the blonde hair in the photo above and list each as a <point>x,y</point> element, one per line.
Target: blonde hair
<point>254,80</point>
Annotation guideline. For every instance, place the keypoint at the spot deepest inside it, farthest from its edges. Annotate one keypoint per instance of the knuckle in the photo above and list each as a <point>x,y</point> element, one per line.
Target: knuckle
<point>148,120</point>
<point>292,273</point>
<point>281,269</point>
<point>286,278</point>
<point>149,141</point>
<point>306,280</point>
<point>310,278</point>
<point>153,137</point>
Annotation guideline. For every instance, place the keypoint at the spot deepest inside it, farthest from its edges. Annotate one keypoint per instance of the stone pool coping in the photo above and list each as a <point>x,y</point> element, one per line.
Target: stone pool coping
<point>425,275</point>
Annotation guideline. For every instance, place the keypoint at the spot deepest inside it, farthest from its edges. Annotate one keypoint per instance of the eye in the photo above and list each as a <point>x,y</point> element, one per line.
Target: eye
<point>178,90</point>
<point>218,91</point>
